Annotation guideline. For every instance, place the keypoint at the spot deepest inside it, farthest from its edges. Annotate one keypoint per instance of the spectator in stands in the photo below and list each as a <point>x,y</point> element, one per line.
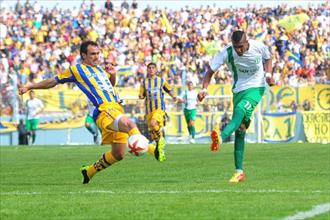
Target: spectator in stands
<point>306,105</point>
<point>141,35</point>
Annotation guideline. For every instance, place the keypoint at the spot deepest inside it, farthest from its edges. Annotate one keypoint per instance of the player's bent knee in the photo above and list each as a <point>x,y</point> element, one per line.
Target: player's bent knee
<point>242,127</point>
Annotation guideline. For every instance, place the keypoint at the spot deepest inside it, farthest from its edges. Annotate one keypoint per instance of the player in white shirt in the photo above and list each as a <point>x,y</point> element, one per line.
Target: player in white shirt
<point>33,107</point>
<point>251,66</point>
<point>188,97</point>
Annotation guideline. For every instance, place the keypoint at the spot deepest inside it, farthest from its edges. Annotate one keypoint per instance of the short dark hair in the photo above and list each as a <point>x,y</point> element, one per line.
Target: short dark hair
<point>237,36</point>
<point>84,46</point>
<point>151,64</point>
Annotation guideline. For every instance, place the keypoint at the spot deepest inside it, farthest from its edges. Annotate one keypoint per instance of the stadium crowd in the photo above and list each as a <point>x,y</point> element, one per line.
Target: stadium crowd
<point>37,42</point>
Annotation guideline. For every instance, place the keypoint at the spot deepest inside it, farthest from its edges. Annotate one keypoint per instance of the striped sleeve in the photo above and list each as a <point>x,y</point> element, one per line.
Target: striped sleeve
<point>142,90</point>
<point>166,87</point>
<point>65,76</point>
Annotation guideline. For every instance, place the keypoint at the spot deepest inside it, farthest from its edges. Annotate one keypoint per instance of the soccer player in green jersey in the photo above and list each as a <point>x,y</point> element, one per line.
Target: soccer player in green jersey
<point>188,97</point>
<point>33,108</point>
<point>250,64</point>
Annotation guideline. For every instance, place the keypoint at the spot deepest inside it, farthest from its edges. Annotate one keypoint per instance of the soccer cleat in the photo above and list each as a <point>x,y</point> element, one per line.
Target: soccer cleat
<point>160,150</point>
<point>86,178</point>
<point>237,177</point>
<point>192,141</point>
<point>215,141</point>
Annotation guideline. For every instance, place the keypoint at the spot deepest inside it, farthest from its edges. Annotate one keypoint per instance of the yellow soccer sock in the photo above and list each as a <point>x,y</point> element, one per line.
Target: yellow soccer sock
<point>134,131</point>
<point>105,161</point>
<point>155,133</point>
<point>151,149</point>
<point>91,171</point>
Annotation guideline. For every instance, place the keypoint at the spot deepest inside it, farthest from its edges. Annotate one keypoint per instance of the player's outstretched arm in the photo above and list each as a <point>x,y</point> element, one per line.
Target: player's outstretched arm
<point>180,100</point>
<point>206,81</point>
<point>45,84</point>
<point>269,69</point>
<point>172,95</point>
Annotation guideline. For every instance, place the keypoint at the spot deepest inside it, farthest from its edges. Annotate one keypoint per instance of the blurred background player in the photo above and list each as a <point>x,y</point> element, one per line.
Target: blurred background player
<point>33,108</point>
<point>90,123</point>
<point>109,116</point>
<point>188,97</point>
<point>249,61</point>
<point>152,90</point>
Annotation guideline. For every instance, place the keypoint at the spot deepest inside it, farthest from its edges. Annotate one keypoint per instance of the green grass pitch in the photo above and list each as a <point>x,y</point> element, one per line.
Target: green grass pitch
<point>44,182</point>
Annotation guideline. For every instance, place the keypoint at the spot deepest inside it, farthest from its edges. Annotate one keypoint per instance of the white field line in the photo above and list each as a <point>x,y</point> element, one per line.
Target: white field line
<point>316,210</point>
<point>262,191</point>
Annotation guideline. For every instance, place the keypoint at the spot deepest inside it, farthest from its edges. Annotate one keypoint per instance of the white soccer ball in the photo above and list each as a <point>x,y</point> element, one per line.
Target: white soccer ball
<point>137,145</point>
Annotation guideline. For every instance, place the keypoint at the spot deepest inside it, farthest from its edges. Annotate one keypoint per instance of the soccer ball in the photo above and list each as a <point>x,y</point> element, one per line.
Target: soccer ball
<point>137,145</point>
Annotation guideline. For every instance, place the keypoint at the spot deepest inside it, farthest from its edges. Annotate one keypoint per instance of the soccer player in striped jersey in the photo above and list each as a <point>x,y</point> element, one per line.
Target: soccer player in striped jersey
<point>152,90</point>
<point>96,83</point>
<point>251,66</point>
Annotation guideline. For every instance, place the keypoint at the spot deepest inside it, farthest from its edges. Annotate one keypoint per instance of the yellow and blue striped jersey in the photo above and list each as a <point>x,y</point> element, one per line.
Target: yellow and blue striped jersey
<point>93,81</point>
<point>153,91</point>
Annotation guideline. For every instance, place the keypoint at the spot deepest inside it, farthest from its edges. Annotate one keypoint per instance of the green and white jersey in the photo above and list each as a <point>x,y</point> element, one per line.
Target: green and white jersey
<point>248,71</point>
<point>190,97</point>
<point>32,107</point>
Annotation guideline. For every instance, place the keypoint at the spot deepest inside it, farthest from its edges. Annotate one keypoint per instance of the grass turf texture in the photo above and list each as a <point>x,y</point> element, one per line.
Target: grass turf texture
<point>282,179</point>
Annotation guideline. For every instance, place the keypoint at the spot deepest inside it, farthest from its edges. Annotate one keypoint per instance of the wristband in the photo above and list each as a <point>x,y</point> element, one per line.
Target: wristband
<point>268,74</point>
<point>204,90</point>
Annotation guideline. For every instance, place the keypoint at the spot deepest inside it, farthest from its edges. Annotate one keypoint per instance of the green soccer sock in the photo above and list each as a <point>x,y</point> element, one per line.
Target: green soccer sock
<point>233,124</point>
<point>239,149</point>
<point>193,131</point>
<point>33,138</point>
<point>189,130</point>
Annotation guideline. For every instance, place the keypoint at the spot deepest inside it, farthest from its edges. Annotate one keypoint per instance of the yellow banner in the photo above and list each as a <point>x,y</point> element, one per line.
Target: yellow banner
<point>318,96</point>
<point>279,127</point>
<point>322,98</point>
<point>56,100</point>
<point>6,127</point>
<point>317,126</point>
<point>280,95</point>
<point>293,22</point>
<point>69,123</point>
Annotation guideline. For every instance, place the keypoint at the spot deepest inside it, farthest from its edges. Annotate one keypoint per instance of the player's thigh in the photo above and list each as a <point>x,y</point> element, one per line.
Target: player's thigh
<point>28,125</point>
<point>156,116</point>
<point>104,121</point>
<point>34,124</point>
<point>159,117</point>
<point>107,116</point>
<point>113,137</point>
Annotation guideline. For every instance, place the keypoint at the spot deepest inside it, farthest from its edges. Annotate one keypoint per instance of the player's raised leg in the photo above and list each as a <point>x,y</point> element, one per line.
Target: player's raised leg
<point>116,128</point>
